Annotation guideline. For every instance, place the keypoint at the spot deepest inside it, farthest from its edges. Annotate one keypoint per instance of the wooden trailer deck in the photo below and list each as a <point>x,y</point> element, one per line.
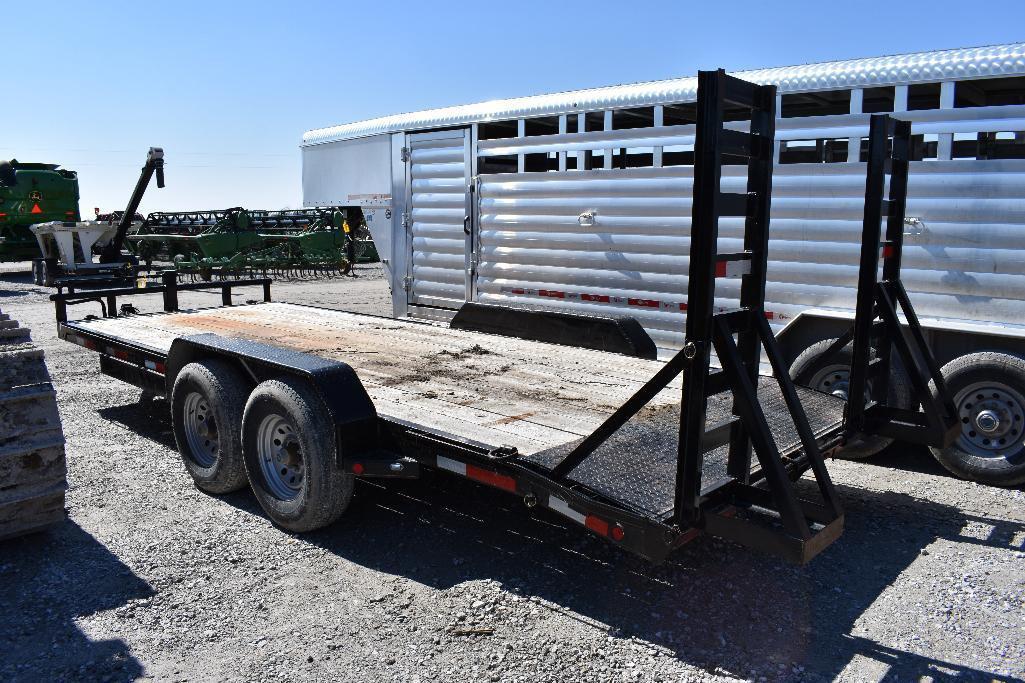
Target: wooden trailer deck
<point>540,398</point>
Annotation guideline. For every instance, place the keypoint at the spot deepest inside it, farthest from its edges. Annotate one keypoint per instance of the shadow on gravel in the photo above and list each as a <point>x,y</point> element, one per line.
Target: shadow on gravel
<point>714,605</point>
<point>20,277</point>
<point>61,575</point>
<point>150,419</point>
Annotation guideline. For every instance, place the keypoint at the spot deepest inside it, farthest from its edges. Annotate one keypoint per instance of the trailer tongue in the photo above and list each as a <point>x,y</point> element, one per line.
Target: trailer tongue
<point>599,435</point>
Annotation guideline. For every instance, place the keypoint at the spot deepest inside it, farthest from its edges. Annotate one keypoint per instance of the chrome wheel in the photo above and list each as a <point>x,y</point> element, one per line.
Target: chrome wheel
<point>280,456</point>
<point>991,419</point>
<point>200,429</point>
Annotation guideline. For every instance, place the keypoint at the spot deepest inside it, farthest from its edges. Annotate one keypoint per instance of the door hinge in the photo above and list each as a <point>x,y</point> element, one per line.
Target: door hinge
<point>407,282</point>
<point>405,219</point>
<point>404,154</point>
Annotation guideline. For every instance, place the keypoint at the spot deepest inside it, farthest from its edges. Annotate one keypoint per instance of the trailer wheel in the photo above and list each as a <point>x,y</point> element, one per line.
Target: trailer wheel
<point>988,389</point>
<point>831,376</point>
<point>206,413</point>
<point>288,444</point>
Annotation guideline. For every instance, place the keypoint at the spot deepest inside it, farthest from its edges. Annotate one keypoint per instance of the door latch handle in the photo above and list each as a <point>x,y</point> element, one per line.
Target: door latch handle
<point>466,224</point>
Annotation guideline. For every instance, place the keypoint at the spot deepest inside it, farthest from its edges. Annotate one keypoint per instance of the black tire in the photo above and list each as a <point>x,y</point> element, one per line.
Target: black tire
<point>996,458</point>
<point>42,272</point>
<point>213,456</point>
<point>288,444</point>
<point>811,368</point>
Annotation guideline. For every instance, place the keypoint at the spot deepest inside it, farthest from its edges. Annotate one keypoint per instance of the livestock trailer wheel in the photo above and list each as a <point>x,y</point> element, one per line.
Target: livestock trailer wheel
<point>989,394</point>
<point>206,412</point>
<point>288,443</point>
<point>832,376</point>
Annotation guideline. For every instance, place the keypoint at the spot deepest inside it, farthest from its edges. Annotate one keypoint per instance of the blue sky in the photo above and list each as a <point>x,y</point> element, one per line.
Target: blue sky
<point>228,88</point>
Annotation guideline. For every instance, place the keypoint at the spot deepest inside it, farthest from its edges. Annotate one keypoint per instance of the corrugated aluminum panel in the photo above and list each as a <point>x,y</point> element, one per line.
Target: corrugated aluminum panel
<point>942,65</point>
<point>438,182</point>
<point>539,244</point>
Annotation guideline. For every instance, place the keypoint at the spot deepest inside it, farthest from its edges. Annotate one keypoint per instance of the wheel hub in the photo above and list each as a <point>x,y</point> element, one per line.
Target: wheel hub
<point>988,421</point>
<point>834,379</point>
<point>200,429</point>
<point>281,458</point>
<point>991,418</point>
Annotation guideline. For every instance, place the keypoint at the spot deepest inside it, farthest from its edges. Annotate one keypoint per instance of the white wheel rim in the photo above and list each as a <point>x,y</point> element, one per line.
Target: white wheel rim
<point>281,457</point>
<point>200,429</point>
<point>832,379</point>
<point>992,419</point>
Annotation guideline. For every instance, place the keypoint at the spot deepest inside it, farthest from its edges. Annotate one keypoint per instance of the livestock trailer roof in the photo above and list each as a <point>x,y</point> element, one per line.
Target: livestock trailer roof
<point>940,65</point>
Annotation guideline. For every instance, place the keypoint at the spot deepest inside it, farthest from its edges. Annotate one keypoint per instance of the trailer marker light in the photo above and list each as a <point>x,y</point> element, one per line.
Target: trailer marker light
<point>618,533</point>
<point>357,468</point>
<point>161,368</point>
<point>36,209</point>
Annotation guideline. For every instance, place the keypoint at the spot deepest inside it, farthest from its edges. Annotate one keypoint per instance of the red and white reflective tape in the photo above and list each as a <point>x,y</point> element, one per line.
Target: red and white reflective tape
<point>80,341</point>
<point>592,298</point>
<point>732,268</point>
<point>155,366</point>
<point>592,522</point>
<point>653,304</point>
<point>484,476</point>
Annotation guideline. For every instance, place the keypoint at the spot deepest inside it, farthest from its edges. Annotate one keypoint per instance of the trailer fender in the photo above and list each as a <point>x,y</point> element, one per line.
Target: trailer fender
<point>809,327</point>
<point>615,334</point>
<point>335,383</point>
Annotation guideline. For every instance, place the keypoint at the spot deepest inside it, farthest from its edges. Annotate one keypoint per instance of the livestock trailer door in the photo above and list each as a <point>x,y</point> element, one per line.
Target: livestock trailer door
<point>439,230</point>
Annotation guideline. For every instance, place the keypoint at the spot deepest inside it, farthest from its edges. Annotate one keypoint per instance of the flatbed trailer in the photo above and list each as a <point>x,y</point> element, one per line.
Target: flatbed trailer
<point>643,453</point>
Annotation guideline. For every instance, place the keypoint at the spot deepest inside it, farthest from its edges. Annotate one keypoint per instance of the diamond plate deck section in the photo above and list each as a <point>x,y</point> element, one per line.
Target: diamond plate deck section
<point>637,465</point>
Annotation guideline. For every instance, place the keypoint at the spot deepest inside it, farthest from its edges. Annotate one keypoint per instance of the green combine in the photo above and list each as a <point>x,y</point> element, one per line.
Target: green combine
<point>29,194</point>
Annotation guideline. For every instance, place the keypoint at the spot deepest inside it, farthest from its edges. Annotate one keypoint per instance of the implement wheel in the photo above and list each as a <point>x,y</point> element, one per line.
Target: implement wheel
<point>288,442</point>
<point>206,412</point>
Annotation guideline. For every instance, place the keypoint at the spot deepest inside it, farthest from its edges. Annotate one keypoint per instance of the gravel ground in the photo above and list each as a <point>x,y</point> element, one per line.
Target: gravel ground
<point>442,580</point>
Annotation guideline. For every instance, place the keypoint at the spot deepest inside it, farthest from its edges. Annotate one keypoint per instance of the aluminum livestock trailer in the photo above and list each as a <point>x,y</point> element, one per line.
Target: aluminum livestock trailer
<point>578,201</point>
<point>570,412</point>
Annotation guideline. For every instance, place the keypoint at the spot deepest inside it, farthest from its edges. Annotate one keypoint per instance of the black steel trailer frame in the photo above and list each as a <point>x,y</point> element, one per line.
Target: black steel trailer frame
<point>756,503</point>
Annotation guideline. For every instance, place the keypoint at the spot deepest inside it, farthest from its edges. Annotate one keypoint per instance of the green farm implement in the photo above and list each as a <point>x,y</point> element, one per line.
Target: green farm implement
<point>237,241</point>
